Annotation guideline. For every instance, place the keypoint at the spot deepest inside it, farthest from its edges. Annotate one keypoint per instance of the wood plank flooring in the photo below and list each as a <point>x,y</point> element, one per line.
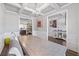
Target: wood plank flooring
<point>63,42</point>
<point>36,46</point>
<point>71,53</point>
<point>57,40</point>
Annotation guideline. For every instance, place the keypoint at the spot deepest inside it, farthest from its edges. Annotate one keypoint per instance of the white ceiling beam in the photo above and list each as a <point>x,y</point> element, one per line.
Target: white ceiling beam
<point>55,6</point>
<point>25,7</point>
<point>34,11</point>
<point>29,9</point>
<point>37,11</point>
<point>43,7</point>
<point>21,9</point>
<point>15,4</point>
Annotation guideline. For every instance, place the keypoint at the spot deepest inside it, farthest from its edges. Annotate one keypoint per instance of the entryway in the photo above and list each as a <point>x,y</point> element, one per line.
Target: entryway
<point>25,26</point>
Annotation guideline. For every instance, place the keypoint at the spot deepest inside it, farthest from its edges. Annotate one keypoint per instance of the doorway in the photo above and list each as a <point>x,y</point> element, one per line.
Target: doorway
<point>25,26</point>
<point>57,28</point>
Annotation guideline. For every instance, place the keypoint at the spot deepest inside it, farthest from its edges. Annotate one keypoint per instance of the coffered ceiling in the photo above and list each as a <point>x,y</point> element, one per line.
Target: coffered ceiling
<point>33,9</point>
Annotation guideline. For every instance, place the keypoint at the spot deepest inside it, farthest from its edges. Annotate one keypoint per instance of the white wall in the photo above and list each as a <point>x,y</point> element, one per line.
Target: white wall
<point>40,32</point>
<point>11,21</point>
<point>72,23</point>
<point>1,27</point>
<point>34,30</point>
<point>73,29</point>
<point>25,16</point>
<point>25,21</point>
<point>1,18</point>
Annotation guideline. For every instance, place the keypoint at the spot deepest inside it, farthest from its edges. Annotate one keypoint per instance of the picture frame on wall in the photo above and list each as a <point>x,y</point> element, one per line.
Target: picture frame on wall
<point>53,23</point>
<point>39,23</point>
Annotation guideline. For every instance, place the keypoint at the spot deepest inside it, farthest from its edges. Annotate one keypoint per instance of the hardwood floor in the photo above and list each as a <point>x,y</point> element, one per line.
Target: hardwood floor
<point>36,46</point>
<point>60,41</point>
<point>63,42</point>
<point>71,53</point>
<point>57,40</point>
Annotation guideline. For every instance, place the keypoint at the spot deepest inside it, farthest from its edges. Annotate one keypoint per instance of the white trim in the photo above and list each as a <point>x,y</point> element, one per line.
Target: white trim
<point>16,13</point>
<point>43,7</point>
<point>26,8</point>
<point>66,5</point>
<point>14,4</point>
<point>32,26</point>
<point>19,23</point>
<point>10,11</point>
<point>56,13</point>
<point>47,28</point>
<point>66,28</point>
